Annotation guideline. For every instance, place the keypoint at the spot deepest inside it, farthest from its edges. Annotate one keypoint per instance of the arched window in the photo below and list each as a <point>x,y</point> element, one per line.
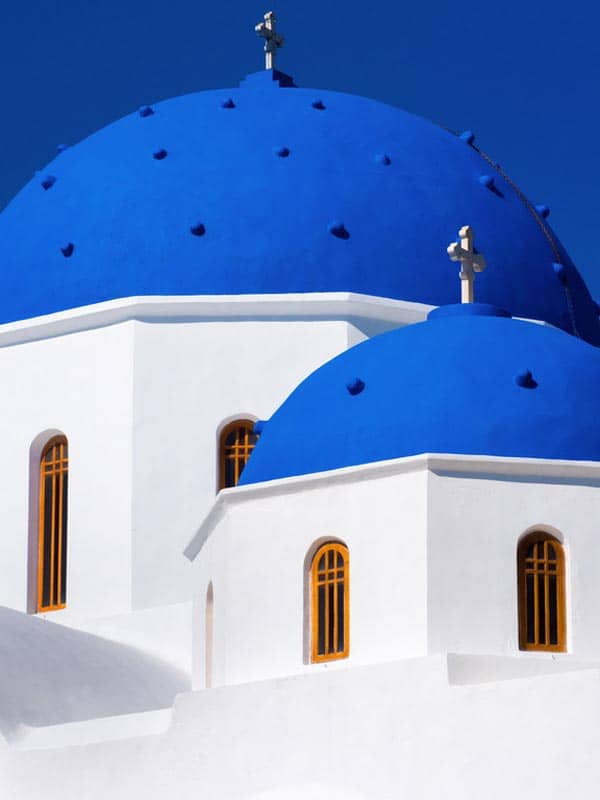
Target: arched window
<point>235,446</point>
<point>330,602</point>
<point>541,568</point>
<point>52,545</point>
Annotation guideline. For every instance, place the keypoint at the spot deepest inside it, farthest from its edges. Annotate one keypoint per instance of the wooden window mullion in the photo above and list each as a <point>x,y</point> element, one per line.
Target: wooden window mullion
<point>538,570</point>
<point>326,615</point>
<point>329,604</point>
<point>41,539</point>
<point>536,617</point>
<point>236,443</point>
<point>547,594</point>
<point>336,621</point>
<point>53,473</point>
<point>52,536</point>
<point>59,535</point>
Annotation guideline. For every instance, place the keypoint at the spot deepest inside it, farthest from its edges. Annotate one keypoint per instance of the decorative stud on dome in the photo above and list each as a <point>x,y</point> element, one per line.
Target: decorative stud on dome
<point>355,386</point>
<point>337,228</point>
<point>525,379</point>
<point>266,30</point>
<point>470,262</point>
<point>48,182</point>
<point>198,229</point>
<point>560,271</point>
<point>487,181</point>
<point>543,210</point>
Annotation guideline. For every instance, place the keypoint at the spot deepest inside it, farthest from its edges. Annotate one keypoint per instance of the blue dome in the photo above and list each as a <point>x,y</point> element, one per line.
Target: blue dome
<point>269,188</point>
<point>463,382</point>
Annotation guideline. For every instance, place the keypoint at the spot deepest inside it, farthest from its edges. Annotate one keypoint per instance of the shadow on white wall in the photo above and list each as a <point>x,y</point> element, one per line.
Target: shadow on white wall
<point>308,791</point>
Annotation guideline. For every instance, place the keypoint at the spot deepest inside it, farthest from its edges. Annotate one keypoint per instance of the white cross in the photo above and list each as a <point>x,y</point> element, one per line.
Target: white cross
<point>470,262</point>
<point>273,40</point>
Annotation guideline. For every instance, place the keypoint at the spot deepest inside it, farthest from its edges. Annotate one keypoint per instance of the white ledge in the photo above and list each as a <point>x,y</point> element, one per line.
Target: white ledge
<point>309,306</point>
<point>514,469</point>
<point>92,731</point>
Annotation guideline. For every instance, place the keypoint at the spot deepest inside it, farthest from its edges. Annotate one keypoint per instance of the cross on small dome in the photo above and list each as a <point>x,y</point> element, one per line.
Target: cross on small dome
<point>470,262</point>
<point>273,41</point>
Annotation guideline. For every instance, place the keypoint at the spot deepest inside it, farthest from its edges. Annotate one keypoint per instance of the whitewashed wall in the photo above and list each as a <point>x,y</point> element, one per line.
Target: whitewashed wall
<point>475,523</point>
<point>81,385</point>
<point>141,403</point>
<point>190,379</point>
<point>432,543</point>
<point>256,558</point>
<point>410,729</point>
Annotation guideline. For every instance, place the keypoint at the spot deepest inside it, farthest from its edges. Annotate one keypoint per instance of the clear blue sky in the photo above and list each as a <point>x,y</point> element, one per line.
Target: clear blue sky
<point>523,74</point>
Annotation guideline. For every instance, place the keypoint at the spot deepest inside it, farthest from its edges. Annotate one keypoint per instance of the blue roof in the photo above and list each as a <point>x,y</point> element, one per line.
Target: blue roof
<point>467,381</point>
<point>268,188</point>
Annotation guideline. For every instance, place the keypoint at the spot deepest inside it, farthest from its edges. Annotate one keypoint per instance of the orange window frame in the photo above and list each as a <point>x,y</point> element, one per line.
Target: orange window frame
<point>330,611</point>
<point>236,443</point>
<point>542,596</point>
<point>52,526</point>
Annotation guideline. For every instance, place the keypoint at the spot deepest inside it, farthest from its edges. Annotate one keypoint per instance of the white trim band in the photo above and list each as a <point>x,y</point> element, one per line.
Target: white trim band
<point>516,469</point>
<point>312,305</point>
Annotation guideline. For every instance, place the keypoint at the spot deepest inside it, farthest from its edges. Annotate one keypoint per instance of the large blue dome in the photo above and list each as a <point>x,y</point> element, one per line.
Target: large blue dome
<point>463,382</point>
<point>268,189</point>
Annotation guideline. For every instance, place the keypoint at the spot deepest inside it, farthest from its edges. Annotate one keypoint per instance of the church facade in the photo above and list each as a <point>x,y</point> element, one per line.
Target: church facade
<point>282,518</point>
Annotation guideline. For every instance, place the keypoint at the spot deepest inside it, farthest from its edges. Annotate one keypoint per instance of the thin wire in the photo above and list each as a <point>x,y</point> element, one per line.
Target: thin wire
<point>539,220</point>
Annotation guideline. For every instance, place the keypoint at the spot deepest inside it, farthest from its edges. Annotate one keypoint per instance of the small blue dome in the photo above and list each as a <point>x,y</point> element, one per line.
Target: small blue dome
<point>268,188</point>
<point>476,383</point>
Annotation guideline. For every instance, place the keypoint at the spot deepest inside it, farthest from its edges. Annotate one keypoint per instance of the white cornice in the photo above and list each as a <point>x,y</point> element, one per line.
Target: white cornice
<point>309,306</point>
<point>481,467</point>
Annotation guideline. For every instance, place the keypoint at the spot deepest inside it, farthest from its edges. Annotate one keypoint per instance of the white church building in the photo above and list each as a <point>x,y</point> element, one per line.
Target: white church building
<point>281,517</point>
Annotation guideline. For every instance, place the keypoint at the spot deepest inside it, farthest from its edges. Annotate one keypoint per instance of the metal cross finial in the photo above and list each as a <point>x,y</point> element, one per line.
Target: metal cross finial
<point>470,262</point>
<point>273,40</point>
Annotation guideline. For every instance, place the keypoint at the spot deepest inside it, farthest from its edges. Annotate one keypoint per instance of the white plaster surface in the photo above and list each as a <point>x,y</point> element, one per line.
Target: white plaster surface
<point>362,309</point>
<point>91,731</point>
<point>432,543</point>
<point>163,631</point>
<point>258,558</point>
<point>140,387</point>
<point>435,699</point>
<point>474,524</point>
<point>395,730</point>
<point>189,380</point>
<point>81,385</point>
<point>316,791</point>
<point>53,675</point>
